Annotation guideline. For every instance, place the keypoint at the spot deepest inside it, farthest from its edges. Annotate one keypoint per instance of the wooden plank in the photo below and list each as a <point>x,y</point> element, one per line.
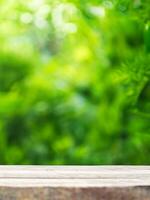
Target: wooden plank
<point>75,182</point>
<point>76,172</point>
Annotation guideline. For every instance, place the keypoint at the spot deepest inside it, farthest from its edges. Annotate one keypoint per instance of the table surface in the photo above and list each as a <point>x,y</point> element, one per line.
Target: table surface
<point>74,176</point>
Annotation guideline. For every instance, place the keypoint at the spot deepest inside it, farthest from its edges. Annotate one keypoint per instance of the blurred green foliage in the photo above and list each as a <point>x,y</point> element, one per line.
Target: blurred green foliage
<point>74,82</point>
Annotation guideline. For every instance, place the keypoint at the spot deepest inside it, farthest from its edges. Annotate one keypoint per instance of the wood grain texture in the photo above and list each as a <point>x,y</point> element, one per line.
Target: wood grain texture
<point>74,182</point>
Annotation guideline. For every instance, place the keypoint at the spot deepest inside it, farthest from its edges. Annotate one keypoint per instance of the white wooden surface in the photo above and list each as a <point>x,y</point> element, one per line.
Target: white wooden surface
<point>74,176</point>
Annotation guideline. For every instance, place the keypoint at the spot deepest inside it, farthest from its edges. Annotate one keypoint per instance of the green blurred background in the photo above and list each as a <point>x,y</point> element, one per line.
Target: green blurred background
<point>74,82</point>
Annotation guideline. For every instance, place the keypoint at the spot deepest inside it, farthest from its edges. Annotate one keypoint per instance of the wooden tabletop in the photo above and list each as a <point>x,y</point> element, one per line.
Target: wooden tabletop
<point>74,176</point>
